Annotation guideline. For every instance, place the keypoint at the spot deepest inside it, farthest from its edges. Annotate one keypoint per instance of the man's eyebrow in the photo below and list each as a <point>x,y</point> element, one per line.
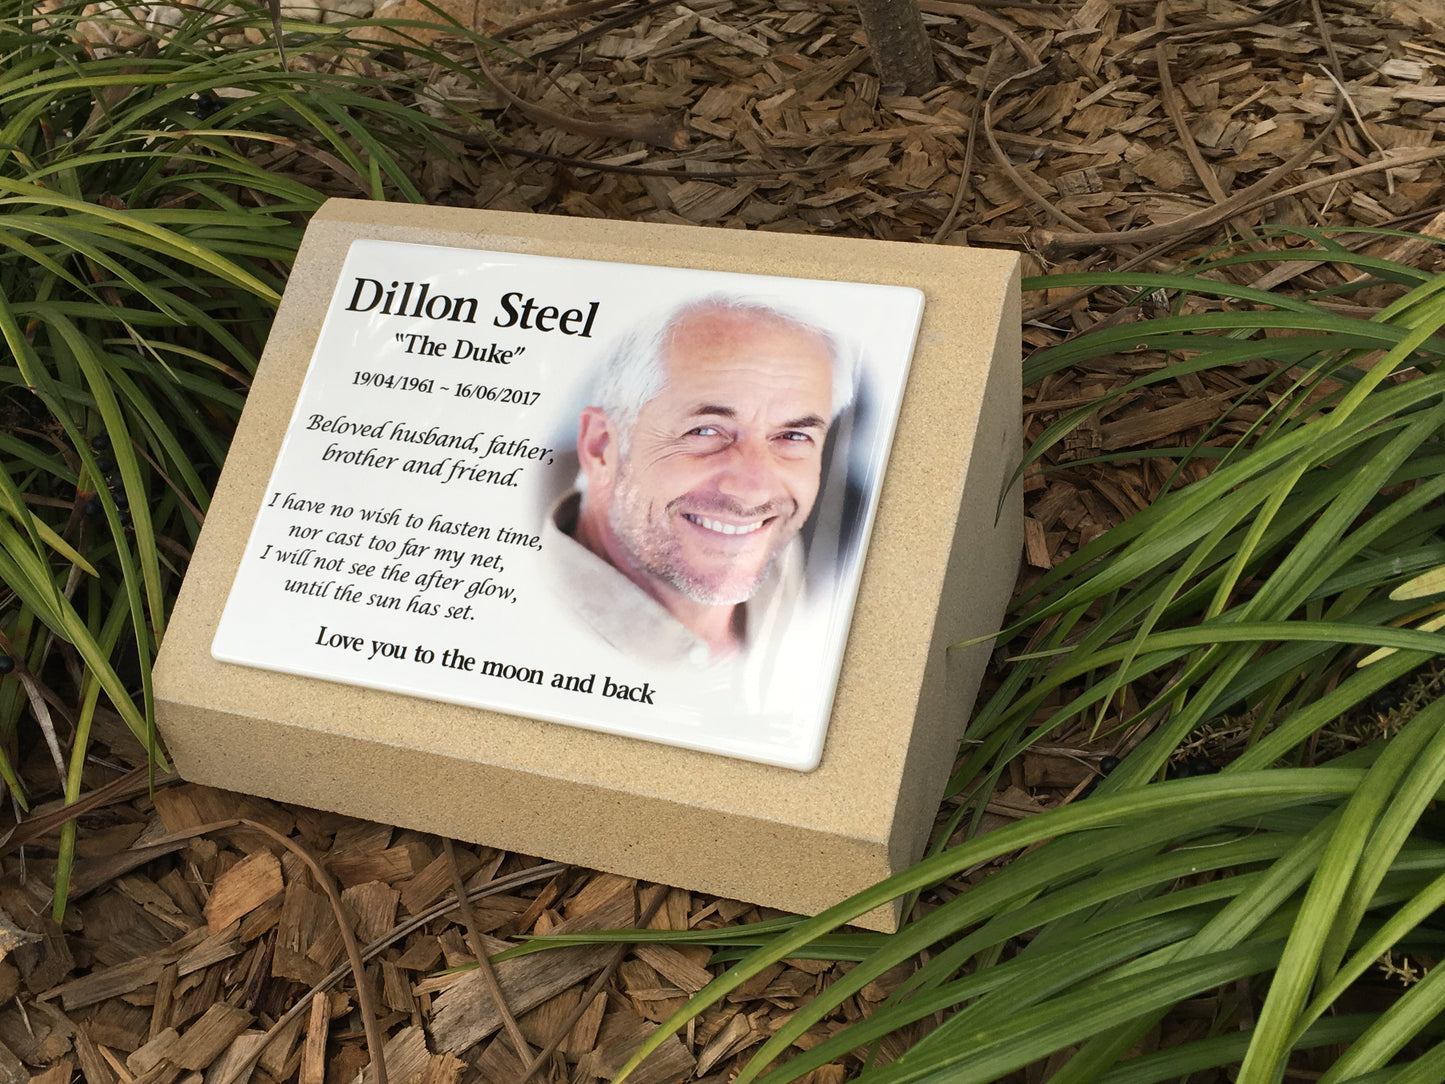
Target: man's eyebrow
<point>811,421</point>
<point>808,421</point>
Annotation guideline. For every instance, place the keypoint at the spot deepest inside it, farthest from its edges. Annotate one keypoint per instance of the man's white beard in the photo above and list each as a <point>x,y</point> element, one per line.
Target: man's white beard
<point>653,550</point>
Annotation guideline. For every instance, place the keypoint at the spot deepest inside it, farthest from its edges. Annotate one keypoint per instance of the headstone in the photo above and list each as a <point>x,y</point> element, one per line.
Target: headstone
<point>636,546</point>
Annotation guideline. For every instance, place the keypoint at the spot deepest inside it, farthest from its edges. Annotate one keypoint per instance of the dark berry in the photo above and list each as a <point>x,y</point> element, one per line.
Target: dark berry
<point>121,500</point>
<point>112,481</point>
<point>124,516</point>
<point>1108,763</point>
<point>207,105</point>
<point>104,463</point>
<point>1383,701</point>
<point>1200,766</point>
<point>1175,771</point>
<point>100,442</point>
<point>7,664</point>
<point>92,506</point>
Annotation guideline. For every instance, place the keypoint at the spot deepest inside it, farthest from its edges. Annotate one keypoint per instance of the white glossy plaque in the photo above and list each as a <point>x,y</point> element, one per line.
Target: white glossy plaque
<point>628,498</point>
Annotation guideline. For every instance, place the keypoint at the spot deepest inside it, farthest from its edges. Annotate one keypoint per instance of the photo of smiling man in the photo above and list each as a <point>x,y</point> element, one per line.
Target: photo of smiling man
<point>701,456</point>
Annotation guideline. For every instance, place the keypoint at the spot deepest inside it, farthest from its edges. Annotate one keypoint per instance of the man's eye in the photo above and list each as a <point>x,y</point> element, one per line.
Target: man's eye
<point>797,437</point>
<point>704,431</point>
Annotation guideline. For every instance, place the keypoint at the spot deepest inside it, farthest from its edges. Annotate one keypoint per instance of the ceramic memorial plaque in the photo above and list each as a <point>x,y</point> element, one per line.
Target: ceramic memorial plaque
<point>638,546</point>
<point>629,498</point>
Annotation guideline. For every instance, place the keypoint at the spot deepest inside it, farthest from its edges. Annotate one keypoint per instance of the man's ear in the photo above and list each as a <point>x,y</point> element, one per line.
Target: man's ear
<point>596,447</point>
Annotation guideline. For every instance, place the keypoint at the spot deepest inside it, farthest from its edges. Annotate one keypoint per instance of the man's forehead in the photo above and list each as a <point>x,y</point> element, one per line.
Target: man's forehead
<point>715,387</point>
<point>719,323</point>
<point>712,343</point>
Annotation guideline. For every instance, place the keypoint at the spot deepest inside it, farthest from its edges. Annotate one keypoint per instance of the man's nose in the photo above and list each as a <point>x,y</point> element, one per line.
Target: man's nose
<point>748,474</point>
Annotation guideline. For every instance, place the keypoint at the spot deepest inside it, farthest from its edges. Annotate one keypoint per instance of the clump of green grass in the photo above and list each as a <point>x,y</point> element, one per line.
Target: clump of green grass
<point>1245,600</point>
<point>150,209</point>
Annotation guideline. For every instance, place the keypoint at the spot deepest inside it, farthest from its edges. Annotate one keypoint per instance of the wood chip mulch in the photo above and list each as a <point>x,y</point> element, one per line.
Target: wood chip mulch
<point>207,934</point>
<point>1062,129</point>
<point>203,943</point>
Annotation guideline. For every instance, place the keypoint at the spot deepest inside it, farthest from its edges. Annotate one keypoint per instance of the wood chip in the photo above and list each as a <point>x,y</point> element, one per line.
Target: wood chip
<point>204,1040</point>
<point>12,1069</point>
<point>59,1073</point>
<point>242,888</point>
<point>94,1069</point>
<point>737,1034</point>
<point>1158,424</point>
<point>435,881</point>
<point>240,1053</point>
<point>675,966</point>
<point>464,1013</point>
<point>374,905</point>
<point>110,982</point>
<point>738,38</point>
<point>405,1054</point>
<point>394,864</point>
<point>282,1049</point>
<point>622,1033</point>
<point>313,1054</point>
<point>1036,547</point>
<point>153,1053</point>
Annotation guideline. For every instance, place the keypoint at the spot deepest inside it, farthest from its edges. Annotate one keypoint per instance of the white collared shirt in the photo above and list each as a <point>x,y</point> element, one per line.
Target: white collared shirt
<point>637,625</point>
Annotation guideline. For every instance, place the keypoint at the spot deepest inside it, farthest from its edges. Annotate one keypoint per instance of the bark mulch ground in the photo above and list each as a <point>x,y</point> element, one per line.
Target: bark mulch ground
<point>202,942</point>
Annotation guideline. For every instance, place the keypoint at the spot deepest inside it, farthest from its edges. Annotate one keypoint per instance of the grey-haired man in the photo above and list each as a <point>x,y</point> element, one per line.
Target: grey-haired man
<point>701,457</point>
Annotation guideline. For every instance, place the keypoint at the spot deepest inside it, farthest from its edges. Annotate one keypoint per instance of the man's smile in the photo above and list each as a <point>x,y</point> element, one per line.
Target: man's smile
<point>717,526</point>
